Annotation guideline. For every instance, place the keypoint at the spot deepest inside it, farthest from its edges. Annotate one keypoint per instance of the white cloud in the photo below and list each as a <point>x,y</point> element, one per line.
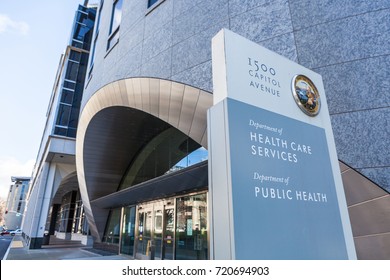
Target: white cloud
<point>12,167</point>
<point>9,25</point>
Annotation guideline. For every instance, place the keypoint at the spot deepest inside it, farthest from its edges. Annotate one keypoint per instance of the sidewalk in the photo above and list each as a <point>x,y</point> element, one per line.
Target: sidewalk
<point>60,250</point>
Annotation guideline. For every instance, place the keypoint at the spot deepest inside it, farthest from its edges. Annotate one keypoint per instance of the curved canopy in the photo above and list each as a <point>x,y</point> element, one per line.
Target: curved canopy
<point>120,119</point>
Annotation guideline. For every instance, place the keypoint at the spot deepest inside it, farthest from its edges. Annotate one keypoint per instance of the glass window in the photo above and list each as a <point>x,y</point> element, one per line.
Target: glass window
<point>152,2</point>
<point>93,53</point>
<point>77,214</point>
<point>116,15</point>
<point>84,222</point>
<point>72,70</point>
<point>63,115</point>
<point>191,227</point>
<point>96,36</point>
<point>113,40</point>
<point>81,31</point>
<point>82,70</point>
<point>144,232</point>
<point>75,56</point>
<point>22,193</point>
<point>79,220</point>
<point>71,132</point>
<point>64,217</point>
<point>83,28</point>
<point>74,117</point>
<point>67,96</point>
<point>128,231</point>
<point>111,234</point>
<point>69,84</point>
<point>192,158</point>
<point>168,152</point>
<point>60,131</point>
<point>19,206</point>
<point>99,15</point>
<point>115,23</point>
<point>169,233</point>
<point>77,44</point>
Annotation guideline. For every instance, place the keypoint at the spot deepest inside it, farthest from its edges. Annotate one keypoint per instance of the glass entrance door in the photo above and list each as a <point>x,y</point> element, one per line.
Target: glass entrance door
<point>169,233</point>
<point>144,233</point>
<point>128,231</point>
<point>155,231</point>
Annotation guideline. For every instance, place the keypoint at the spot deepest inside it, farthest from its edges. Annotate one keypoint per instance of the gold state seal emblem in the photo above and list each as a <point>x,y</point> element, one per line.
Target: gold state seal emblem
<point>306,95</point>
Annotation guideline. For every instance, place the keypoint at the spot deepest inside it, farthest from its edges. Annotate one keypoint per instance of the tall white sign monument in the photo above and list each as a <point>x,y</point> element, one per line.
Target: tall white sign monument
<point>274,179</point>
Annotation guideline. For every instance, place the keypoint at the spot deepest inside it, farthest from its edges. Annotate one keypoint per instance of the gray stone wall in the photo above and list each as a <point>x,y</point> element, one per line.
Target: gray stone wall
<point>346,41</point>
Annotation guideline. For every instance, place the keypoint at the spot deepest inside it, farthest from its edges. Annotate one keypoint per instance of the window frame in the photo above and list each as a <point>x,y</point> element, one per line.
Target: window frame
<point>153,6</point>
<point>96,35</point>
<point>114,30</point>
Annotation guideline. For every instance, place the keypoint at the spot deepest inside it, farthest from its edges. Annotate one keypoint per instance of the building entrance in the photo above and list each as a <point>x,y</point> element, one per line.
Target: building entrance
<point>155,230</point>
<point>167,229</point>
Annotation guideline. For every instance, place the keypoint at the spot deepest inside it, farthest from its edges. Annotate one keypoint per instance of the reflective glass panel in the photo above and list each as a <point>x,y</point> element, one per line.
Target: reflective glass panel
<point>63,115</point>
<point>83,27</point>
<point>71,71</point>
<point>113,39</point>
<point>128,228</point>
<point>74,117</point>
<point>116,15</point>
<point>152,2</point>
<point>60,131</point>
<point>75,56</point>
<point>144,233</point>
<point>194,157</point>
<point>67,96</point>
<point>191,227</point>
<point>69,84</point>
<point>158,232</point>
<point>140,246</point>
<point>169,233</point>
<point>71,132</point>
<point>111,234</point>
<point>168,152</point>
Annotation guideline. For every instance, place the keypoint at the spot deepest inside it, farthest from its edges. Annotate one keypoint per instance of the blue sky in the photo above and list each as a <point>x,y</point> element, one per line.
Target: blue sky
<point>33,34</point>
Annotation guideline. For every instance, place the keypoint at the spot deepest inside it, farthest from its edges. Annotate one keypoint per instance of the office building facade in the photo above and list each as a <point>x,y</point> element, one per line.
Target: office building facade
<point>141,145</point>
<point>54,204</point>
<point>16,202</point>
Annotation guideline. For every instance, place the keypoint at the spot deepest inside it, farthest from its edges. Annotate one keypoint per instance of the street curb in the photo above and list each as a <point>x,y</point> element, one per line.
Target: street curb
<point>6,253</point>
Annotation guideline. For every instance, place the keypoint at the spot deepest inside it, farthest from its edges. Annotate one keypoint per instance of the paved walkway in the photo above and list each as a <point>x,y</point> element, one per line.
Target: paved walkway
<point>57,250</point>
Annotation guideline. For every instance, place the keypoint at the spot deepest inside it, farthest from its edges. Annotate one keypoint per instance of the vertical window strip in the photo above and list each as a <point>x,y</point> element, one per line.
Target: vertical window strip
<point>116,18</point>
